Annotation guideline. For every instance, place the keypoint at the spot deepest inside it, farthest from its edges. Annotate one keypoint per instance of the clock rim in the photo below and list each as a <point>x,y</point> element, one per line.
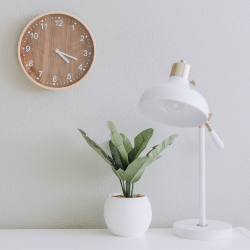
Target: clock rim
<point>19,51</point>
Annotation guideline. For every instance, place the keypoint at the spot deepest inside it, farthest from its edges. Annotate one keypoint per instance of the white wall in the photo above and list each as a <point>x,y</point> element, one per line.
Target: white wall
<point>50,177</point>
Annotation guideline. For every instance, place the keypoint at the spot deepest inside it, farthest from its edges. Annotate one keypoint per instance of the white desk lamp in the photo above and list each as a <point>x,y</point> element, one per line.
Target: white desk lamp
<point>176,104</point>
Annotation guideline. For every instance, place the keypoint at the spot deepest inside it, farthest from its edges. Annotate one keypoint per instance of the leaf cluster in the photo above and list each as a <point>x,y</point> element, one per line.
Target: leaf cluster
<point>125,161</point>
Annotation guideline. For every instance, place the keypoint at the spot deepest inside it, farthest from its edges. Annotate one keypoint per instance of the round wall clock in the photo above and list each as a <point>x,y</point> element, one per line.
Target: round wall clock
<point>56,50</point>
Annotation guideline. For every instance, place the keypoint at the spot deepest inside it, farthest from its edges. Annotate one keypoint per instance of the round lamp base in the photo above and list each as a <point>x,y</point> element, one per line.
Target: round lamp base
<point>215,230</point>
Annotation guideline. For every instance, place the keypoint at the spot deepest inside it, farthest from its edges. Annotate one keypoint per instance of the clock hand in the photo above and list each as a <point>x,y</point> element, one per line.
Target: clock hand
<point>63,57</point>
<point>62,53</point>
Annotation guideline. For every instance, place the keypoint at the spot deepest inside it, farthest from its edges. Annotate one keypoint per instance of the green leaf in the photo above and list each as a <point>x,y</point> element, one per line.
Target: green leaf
<point>98,149</point>
<point>117,140</point>
<point>116,155</point>
<point>152,149</point>
<point>135,169</point>
<point>119,173</point>
<point>126,142</point>
<point>158,149</point>
<point>141,141</point>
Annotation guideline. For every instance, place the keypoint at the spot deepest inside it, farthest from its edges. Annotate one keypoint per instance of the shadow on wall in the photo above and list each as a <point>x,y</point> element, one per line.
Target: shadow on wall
<point>70,172</point>
<point>79,214</point>
<point>10,68</point>
<point>55,188</point>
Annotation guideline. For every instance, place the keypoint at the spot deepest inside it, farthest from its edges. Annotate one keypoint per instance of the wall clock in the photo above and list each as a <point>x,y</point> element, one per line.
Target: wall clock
<point>56,50</point>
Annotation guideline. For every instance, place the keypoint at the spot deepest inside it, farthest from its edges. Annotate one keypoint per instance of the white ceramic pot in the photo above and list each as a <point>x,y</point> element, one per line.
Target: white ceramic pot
<point>127,216</point>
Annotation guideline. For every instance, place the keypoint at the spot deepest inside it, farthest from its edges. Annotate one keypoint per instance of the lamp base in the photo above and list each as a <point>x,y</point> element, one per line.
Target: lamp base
<point>215,230</point>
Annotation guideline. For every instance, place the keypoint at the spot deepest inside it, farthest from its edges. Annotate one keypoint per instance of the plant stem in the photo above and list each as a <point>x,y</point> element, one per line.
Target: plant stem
<point>127,189</point>
<point>122,187</point>
<point>132,191</point>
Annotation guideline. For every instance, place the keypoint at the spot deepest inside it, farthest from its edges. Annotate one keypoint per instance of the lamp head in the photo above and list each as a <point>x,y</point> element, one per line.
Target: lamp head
<point>174,103</point>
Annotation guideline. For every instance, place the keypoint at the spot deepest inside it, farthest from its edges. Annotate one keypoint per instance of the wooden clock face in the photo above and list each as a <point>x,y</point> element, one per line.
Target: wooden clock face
<point>56,50</point>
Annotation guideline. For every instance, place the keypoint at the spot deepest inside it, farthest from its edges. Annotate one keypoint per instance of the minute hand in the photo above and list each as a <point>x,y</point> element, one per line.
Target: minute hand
<point>60,52</point>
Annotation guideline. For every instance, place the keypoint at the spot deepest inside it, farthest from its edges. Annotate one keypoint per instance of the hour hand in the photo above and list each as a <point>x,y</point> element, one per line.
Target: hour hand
<point>62,56</point>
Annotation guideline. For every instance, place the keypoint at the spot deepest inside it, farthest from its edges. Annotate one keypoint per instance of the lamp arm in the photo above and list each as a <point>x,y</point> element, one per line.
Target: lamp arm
<point>217,141</point>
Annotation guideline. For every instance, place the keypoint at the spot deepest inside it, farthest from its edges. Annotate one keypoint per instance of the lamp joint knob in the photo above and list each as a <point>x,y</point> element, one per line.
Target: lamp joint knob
<point>206,124</point>
<point>181,69</point>
<point>192,82</point>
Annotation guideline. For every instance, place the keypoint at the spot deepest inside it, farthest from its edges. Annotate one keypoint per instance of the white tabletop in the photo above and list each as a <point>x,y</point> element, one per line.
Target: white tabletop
<point>51,239</point>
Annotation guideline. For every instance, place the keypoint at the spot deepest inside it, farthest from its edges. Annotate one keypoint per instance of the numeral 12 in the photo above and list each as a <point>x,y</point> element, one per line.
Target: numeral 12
<point>59,22</point>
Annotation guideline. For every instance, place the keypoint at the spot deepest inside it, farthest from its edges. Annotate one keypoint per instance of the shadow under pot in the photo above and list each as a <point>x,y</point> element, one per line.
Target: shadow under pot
<point>127,216</point>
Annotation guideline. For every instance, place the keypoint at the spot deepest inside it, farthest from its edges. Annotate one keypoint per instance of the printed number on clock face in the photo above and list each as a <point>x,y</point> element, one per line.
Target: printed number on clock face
<point>56,51</point>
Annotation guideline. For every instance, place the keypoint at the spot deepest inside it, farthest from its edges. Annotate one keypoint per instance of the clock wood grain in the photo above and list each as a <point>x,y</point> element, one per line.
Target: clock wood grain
<point>37,50</point>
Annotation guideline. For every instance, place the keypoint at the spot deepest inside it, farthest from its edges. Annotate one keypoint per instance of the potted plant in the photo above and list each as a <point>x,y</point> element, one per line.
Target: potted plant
<point>126,213</point>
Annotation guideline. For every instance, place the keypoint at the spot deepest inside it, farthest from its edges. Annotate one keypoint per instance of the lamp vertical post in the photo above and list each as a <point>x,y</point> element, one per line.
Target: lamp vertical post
<point>202,182</point>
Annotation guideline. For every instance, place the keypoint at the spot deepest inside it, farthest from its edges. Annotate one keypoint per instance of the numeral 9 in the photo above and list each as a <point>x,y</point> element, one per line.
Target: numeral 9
<point>27,48</point>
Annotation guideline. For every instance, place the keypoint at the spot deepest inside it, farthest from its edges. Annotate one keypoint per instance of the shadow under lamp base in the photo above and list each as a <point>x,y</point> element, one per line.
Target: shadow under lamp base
<point>215,230</point>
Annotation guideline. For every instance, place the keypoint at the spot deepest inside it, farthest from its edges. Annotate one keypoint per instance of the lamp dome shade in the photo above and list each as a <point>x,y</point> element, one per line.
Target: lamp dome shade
<point>174,104</point>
